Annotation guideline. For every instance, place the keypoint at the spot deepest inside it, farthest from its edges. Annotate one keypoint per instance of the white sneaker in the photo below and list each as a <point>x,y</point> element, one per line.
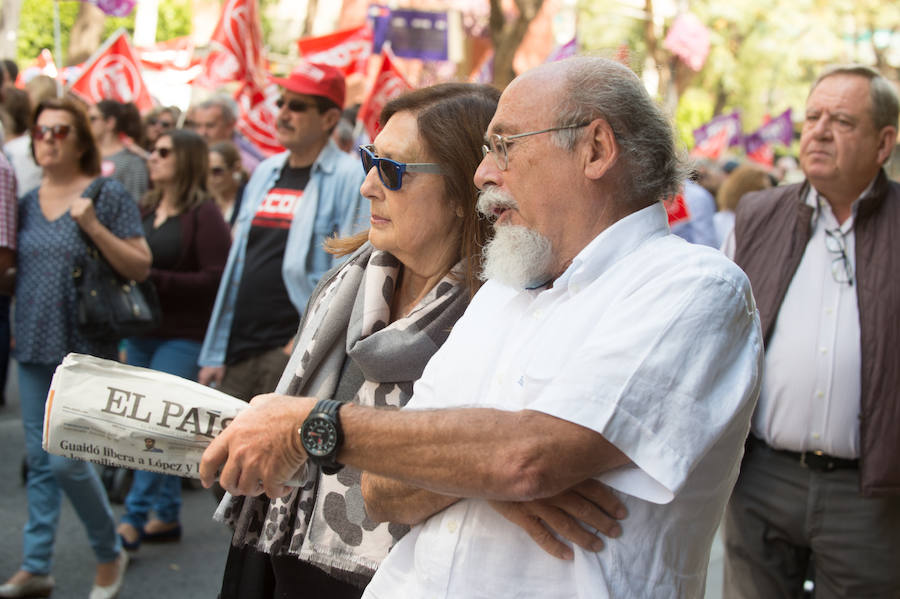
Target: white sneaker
<point>110,591</point>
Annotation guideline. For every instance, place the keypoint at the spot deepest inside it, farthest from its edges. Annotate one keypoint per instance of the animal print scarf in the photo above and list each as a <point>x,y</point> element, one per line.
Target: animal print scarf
<point>324,522</point>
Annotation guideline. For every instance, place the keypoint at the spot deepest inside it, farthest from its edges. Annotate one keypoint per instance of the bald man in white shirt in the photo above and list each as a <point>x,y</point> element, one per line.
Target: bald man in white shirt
<point>601,347</point>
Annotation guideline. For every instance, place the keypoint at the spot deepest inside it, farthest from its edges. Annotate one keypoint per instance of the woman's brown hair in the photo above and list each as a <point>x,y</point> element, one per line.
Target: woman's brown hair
<point>452,119</point>
<point>191,166</point>
<point>742,180</point>
<point>89,163</point>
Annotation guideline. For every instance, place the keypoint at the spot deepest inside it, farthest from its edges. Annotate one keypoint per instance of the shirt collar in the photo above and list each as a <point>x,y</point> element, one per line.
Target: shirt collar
<point>616,241</point>
<point>818,203</point>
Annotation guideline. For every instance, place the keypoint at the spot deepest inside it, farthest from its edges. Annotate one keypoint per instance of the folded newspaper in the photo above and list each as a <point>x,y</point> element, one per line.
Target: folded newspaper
<point>119,415</point>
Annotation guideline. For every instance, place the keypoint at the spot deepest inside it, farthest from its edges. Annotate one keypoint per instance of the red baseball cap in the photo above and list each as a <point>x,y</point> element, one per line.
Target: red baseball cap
<point>315,80</point>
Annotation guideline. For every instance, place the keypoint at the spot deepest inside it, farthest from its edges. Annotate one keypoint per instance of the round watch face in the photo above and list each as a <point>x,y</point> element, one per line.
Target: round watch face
<point>319,437</point>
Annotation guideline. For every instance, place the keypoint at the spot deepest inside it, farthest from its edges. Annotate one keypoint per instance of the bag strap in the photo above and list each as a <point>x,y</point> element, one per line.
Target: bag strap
<point>92,192</point>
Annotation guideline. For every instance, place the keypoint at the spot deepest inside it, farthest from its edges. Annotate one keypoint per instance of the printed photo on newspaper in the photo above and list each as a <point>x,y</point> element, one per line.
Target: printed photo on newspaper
<point>119,415</point>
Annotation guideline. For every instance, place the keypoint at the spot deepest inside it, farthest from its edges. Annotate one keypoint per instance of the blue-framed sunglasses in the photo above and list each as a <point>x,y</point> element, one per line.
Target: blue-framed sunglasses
<point>390,171</point>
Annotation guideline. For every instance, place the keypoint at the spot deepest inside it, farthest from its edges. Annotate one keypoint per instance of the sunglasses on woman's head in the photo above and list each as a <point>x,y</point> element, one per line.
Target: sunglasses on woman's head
<point>58,132</point>
<point>390,171</point>
<point>294,105</point>
<point>162,152</point>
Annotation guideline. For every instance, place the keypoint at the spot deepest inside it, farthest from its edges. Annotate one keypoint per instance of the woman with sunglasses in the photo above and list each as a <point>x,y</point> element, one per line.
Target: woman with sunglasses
<point>190,242</point>
<point>368,330</point>
<point>159,121</point>
<point>72,205</point>
<point>117,129</point>
<point>227,179</point>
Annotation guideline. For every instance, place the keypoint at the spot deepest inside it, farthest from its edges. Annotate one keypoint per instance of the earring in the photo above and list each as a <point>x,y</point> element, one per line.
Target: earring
<point>459,211</point>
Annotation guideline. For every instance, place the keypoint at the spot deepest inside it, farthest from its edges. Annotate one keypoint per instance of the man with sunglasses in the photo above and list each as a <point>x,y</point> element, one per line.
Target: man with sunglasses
<point>600,347</point>
<point>821,479</point>
<point>291,203</point>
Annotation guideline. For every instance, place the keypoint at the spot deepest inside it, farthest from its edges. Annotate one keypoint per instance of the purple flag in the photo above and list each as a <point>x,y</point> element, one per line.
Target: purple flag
<point>116,8</point>
<point>380,21</point>
<point>731,123</point>
<point>778,130</point>
<point>570,48</point>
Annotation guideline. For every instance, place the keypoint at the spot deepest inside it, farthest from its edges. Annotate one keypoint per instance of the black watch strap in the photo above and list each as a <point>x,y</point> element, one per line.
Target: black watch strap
<point>326,410</point>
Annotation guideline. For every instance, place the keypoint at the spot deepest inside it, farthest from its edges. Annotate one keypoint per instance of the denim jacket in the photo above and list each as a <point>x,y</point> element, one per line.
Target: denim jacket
<point>331,204</point>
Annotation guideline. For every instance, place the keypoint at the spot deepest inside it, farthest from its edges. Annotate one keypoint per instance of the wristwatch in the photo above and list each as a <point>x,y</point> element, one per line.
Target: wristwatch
<point>322,437</point>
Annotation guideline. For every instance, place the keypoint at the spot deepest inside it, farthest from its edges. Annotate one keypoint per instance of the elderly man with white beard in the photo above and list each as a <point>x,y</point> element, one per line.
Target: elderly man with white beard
<point>601,348</point>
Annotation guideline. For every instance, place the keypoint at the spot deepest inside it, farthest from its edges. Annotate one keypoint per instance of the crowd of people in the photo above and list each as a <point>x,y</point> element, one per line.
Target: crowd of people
<point>494,366</point>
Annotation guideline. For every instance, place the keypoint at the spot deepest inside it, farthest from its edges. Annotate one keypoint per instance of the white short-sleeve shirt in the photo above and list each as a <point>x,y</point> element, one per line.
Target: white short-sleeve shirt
<point>650,341</point>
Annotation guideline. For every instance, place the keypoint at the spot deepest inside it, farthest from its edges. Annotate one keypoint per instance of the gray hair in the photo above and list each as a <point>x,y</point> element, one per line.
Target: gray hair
<point>602,88</point>
<point>884,96</point>
<point>225,103</point>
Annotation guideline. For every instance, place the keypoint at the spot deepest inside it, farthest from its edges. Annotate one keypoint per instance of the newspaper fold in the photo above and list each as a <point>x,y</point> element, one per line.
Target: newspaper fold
<point>119,415</point>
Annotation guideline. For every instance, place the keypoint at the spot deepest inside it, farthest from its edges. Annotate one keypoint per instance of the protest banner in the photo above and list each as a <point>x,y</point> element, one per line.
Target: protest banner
<point>688,39</point>
<point>113,73</point>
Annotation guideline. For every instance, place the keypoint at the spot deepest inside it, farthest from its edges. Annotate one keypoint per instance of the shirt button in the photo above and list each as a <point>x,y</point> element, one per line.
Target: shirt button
<point>824,350</point>
<point>829,311</point>
<point>820,394</point>
<point>815,435</point>
<point>452,526</point>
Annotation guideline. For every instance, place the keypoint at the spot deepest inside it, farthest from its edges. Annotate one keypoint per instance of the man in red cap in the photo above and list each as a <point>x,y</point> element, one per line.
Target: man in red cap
<point>293,201</point>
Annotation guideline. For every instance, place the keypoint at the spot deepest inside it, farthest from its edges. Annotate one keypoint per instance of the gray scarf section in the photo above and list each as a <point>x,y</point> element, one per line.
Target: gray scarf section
<point>348,318</point>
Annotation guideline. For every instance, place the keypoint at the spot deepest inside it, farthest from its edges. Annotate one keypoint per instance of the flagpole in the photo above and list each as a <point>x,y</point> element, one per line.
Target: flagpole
<point>57,45</point>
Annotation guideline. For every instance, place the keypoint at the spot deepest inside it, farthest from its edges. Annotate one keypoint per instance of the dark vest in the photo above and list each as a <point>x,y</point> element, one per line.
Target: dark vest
<point>772,229</point>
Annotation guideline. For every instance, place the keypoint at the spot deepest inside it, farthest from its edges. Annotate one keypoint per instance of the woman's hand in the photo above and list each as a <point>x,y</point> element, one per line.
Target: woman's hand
<point>131,257</point>
<point>82,212</point>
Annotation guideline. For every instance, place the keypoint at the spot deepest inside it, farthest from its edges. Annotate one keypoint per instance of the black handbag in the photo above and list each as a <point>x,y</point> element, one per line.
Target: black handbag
<point>109,307</point>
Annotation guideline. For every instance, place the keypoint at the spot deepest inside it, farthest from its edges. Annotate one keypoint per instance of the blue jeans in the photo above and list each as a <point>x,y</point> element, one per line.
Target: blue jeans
<point>51,475</point>
<point>150,490</point>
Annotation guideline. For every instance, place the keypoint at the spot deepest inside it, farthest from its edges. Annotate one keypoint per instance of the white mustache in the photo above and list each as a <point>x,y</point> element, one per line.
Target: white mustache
<point>492,200</point>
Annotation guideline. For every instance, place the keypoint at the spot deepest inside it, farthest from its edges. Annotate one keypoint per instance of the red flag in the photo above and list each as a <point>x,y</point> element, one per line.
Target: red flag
<point>235,49</point>
<point>258,114</point>
<point>113,73</point>
<point>712,147</point>
<point>42,65</point>
<point>763,155</point>
<point>347,50</point>
<point>177,53</point>
<point>676,209</point>
<point>389,84</point>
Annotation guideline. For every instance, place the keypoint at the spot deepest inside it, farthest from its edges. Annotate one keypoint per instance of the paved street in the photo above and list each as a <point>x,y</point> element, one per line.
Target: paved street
<point>191,569</point>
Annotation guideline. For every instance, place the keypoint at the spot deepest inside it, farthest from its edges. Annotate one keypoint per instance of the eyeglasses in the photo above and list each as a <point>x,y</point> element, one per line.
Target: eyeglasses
<point>390,171</point>
<point>841,269</point>
<point>58,132</point>
<point>293,105</point>
<point>162,124</point>
<point>162,152</point>
<point>217,171</point>
<point>498,145</point>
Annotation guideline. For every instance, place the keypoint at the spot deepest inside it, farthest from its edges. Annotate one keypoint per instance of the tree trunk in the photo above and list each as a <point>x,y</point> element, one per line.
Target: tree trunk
<point>87,34</point>
<point>507,37</point>
<point>9,27</point>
